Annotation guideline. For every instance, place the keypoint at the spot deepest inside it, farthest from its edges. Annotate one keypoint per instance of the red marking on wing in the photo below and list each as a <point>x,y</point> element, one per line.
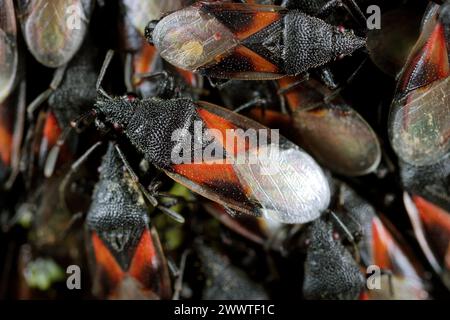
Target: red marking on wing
<point>5,145</point>
<point>143,60</point>
<point>106,260</point>
<point>207,173</point>
<point>261,20</point>
<point>431,63</point>
<point>144,259</point>
<point>436,220</point>
<point>51,129</point>
<point>259,63</point>
<point>382,241</point>
<point>6,138</point>
<point>216,122</point>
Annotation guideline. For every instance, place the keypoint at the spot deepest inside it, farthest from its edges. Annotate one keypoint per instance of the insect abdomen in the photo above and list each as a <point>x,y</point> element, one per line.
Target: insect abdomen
<point>154,123</point>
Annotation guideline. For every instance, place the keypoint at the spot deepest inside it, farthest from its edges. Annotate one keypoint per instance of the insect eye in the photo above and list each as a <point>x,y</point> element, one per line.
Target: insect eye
<point>130,97</point>
<point>118,127</point>
<point>100,125</point>
<point>149,31</point>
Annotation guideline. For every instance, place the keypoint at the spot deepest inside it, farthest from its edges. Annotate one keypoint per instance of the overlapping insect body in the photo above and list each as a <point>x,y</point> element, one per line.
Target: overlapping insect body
<point>245,41</point>
<point>225,281</point>
<point>127,257</point>
<point>419,122</point>
<point>431,225</point>
<point>145,72</point>
<point>247,214</point>
<point>77,93</point>
<point>401,275</point>
<point>150,126</point>
<point>54,31</point>
<point>330,270</point>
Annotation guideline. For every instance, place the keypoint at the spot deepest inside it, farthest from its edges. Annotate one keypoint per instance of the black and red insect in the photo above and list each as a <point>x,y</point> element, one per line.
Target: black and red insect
<point>126,256</point>
<point>380,244</point>
<point>145,72</point>
<point>162,131</point>
<point>248,41</point>
<point>420,119</point>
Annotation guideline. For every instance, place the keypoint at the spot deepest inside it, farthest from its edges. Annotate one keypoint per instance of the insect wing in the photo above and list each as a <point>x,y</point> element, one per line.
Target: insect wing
<point>8,48</point>
<point>255,178</point>
<point>208,38</point>
<point>54,30</point>
<point>419,124</point>
<point>432,229</point>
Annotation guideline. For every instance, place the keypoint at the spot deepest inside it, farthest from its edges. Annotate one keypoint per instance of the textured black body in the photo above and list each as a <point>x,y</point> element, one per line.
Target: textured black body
<point>444,18</point>
<point>307,6</point>
<point>149,124</point>
<point>118,213</point>
<point>248,91</point>
<point>431,182</point>
<point>310,42</point>
<point>225,281</point>
<point>330,270</point>
<point>357,216</point>
<point>77,92</point>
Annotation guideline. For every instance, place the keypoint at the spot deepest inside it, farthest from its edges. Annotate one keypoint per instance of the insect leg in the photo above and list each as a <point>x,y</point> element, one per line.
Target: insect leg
<point>151,75</point>
<point>252,103</point>
<point>106,63</point>
<point>327,77</point>
<point>128,72</point>
<point>294,85</point>
<point>178,285</point>
<point>339,89</point>
<point>134,177</point>
<point>152,200</point>
<point>52,157</point>
<point>40,99</point>
<point>19,129</point>
<point>350,237</point>
<point>73,169</point>
<point>218,83</point>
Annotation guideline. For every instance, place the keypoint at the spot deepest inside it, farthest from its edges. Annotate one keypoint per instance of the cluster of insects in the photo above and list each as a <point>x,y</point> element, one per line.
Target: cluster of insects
<point>96,98</point>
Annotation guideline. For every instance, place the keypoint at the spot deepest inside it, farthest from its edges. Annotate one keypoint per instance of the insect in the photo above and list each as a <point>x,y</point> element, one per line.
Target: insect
<point>431,181</point>
<point>127,258</point>
<point>71,92</point>
<point>162,131</point>
<point>55,30</point>
<point>318,120</point>
<point>401,276</point>
<point>263,232</point>
<point>330,270</point>
<point>432,229</point>
<point>145,72</point>
<point>247,41</point>
<point>419,121</point>
<point>9,56</point>
<point>224,280</point>
<point>331,130</point>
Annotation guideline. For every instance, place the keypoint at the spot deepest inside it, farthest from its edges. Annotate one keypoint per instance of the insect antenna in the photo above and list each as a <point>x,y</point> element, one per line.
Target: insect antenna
<point>106,63</point>
<point>349,235</point>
